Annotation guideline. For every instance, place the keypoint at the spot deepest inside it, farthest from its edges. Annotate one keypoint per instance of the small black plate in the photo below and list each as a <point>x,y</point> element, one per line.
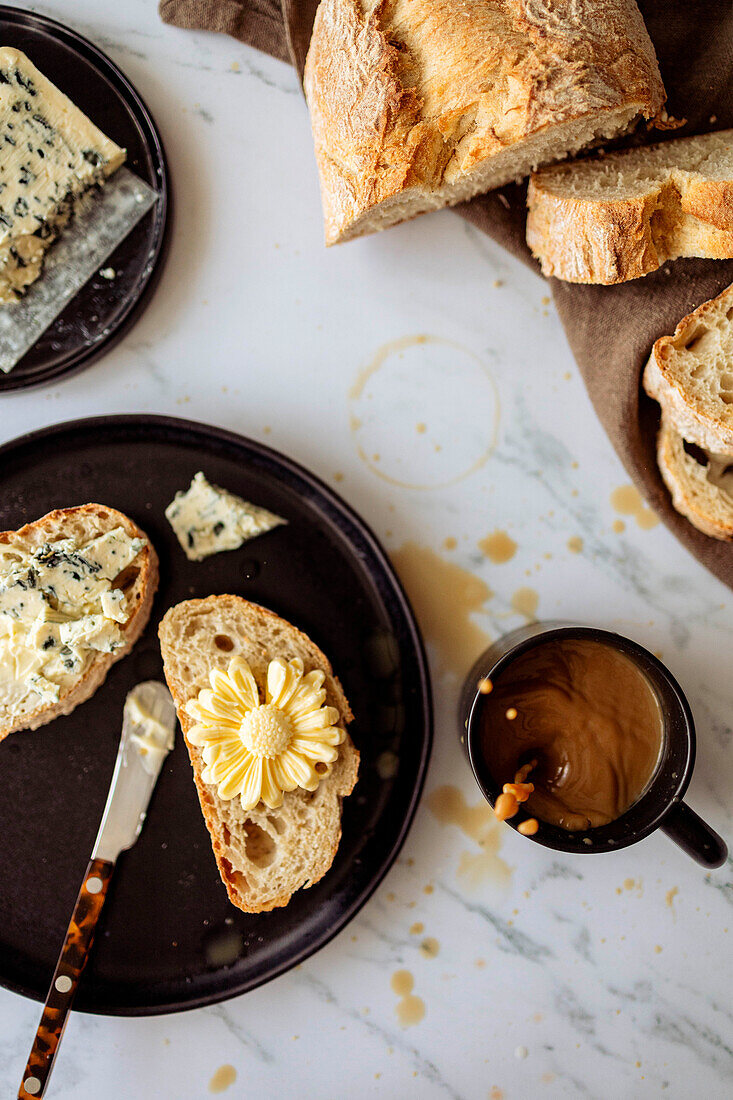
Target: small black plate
<point>103,310</point>
<point>169,938</point>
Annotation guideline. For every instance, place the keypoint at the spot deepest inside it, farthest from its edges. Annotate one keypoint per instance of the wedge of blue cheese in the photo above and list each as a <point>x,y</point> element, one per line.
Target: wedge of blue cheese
<point>50,155</point>
<point>207,519</point>
<point>58,608</point>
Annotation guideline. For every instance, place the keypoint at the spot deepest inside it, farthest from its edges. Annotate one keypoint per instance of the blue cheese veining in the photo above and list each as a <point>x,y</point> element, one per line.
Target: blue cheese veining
<point>207,519</point>
<point>59,608</point>
<point>50,154</point>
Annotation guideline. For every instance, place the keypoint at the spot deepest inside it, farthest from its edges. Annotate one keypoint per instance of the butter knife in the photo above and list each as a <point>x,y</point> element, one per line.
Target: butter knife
<point>148,731</point>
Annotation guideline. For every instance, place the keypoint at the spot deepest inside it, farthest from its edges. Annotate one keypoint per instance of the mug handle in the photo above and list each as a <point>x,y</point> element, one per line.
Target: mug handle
<point>694,836</point>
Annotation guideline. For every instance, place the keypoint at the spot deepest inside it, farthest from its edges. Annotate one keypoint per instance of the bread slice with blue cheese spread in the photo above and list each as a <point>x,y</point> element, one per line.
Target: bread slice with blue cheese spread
<point>50,155</point>
<point>76,591</point>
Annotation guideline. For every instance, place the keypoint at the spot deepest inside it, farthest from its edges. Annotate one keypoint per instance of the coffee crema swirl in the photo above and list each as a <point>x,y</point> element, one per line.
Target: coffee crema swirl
<point>589,718</point>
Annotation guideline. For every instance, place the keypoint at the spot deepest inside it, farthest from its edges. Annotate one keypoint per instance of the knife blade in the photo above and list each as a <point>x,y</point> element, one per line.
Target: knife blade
<point>148,732</point>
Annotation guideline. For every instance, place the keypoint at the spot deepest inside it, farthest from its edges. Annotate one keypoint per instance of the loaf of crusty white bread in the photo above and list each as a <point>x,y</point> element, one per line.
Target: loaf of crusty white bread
<point>420,104</point>
<point>263,855</point>
<point>608,219</point>
<point>139,583</point>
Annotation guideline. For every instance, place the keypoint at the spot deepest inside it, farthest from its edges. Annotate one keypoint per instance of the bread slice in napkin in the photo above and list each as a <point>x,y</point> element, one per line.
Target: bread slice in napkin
<point>420,104</point>
<point>55,638</point>
<point>608,219</point>
<point>701,484</point>
<point>690,374</point>
<point>264,855</point>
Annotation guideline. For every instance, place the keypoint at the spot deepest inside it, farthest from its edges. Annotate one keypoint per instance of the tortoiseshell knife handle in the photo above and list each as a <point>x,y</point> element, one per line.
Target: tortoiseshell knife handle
<point>73,957</point>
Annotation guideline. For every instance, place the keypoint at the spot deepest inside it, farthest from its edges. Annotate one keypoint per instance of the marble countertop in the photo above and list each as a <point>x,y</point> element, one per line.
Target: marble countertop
<point>424,374</point>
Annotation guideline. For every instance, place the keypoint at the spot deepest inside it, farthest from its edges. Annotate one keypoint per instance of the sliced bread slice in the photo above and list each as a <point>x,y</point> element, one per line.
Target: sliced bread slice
<point>701,484</point>
<point>690,374</point>
<point>263,855</point>
<point>23,634</point>
<point>608,219</point>
<point>420,104</point>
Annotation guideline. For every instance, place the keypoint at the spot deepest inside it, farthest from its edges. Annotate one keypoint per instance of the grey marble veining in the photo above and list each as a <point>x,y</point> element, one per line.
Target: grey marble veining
<point>555,976</point>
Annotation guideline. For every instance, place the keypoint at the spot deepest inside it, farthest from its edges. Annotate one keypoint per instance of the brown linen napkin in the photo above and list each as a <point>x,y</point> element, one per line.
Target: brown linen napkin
<point>610,329</point>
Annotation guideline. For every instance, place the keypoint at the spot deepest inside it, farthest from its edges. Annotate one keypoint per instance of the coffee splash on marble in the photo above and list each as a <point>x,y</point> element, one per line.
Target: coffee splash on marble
<point>410,1009</point>
<point>525,601</point>
<point>499,547</point>
<point>449,807</point>
<point>397,348</point>
<point>627,500</point>
<point>444,597</point>
<point>224,1077</point>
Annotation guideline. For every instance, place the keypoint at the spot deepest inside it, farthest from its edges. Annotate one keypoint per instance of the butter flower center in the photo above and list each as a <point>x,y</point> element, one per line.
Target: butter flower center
<point>266,731</point>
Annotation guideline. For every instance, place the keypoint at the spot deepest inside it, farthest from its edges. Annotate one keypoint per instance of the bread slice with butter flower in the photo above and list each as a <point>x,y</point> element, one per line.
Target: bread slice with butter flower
<point>76,591</point>
<point>264,720</point>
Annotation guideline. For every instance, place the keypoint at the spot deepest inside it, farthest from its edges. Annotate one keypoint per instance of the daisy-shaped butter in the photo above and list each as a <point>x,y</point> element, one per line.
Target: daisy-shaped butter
<point>256,751</point>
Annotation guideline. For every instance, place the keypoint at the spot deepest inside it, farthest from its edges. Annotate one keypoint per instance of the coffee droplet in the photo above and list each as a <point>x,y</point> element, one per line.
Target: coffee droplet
<point>222,1079</point>
<point>628,501</point>
<point>498,547</point>
<point>410,1009</point>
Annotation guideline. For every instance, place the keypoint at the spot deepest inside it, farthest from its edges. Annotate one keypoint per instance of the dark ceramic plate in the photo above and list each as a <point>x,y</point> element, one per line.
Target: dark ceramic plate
<point>169,939</point>
<point>103,310</point>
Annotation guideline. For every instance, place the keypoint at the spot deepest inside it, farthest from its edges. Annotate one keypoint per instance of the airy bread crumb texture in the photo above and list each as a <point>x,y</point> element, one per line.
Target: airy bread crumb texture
<point>690,374</point>
<point>608,219</point>
<point>701,487</point>
<point>263,855</point>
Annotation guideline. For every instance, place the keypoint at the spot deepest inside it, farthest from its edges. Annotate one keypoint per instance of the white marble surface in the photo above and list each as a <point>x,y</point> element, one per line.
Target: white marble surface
<point>553,978</point>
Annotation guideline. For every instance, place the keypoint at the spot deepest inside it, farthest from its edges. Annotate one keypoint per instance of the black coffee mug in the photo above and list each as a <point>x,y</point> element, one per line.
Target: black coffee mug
<point>659,807</point>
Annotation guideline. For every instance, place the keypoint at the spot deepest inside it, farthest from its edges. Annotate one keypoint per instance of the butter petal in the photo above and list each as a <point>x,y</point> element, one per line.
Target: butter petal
<point>272,790</point>
<point>333,735</point>
<point>251,792</point>
<point>317,720</point>
<point>222,686</point>
<point>297,770</point>
<point>314,750</point>
<point>304,700</point>
<point>242,677</point>
<point>283,680</point>
<point>232,781</point>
